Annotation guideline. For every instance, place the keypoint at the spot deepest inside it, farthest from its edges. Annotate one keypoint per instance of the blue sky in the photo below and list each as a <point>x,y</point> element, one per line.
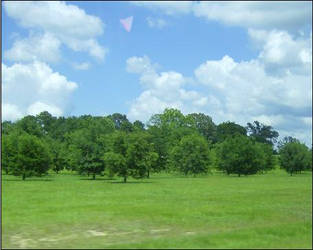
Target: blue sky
<point>231,60</point>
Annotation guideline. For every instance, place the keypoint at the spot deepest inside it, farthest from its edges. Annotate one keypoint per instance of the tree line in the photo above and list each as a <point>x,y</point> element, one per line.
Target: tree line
<point>111,145</point>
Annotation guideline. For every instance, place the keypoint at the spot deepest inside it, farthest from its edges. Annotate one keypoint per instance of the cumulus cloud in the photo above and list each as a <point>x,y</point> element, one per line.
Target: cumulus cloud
<point>156,22</point>
<point>162,90</point>
<point>236,91</point>
<point>32,88</point>
<point>66,23</point>
<point>282,53</point>
<point>47,48</point>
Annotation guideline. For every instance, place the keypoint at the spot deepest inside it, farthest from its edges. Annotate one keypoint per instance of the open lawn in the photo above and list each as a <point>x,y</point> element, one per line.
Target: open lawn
<point>272,210</point>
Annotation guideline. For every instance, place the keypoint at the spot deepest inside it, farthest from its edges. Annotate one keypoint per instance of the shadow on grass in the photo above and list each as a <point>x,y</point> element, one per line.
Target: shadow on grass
<point>130,182</point>
<point>27,180</point>
<point>97,179</point>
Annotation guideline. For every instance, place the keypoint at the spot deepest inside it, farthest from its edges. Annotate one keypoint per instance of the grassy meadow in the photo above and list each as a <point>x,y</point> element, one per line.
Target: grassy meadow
<point>272,210</point>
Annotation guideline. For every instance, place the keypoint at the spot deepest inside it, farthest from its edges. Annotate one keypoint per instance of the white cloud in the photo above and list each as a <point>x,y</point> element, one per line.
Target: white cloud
<point>36,47</point>
<point>30,88</point>
<point>156,22</point>
<point>168,7</point>
<point>236,91</point>
<point>139,65</point>
<point>257,15</point>
<point>10,112</point>
<point>281,53</point>
<point>67,23</point>
<point>81,66</point>
<point>162,90</point>
<point>39,107</point>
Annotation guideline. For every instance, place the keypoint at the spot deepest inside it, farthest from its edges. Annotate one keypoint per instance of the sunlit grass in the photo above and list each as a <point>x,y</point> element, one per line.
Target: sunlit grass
<point>272,210</point>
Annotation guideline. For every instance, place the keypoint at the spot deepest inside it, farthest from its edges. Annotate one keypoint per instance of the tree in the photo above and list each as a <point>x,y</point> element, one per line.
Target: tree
<point>226,129</point>
<point>115,164</point>
<point>9,151</point>
<point>130,155</point>
<point>138,126</point>
<point>87,152</point>
<point>121,122</point>
<point>58,154</point>
<point>31,156</point>
<point>46,121</point>
<point>160,141</point>
<point>294,157</point>
<point>240,155</point>
<point>30,125</point>
<point>190,156</point>
<point>86,144</point>
<point>140,157</point>
<point>262,133</point>
<point>115,156</point>
<point>203,124</point>
<point>7,127</point>
<point>266,157</point>
<point>309,161</point>
<point>285,140</point>
<point>166,131</point>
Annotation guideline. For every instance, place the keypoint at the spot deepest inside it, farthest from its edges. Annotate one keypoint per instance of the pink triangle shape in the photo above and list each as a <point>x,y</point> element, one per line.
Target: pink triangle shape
<point>127,23</point>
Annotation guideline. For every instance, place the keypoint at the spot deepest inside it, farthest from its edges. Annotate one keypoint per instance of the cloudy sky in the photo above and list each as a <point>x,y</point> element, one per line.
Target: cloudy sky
<point>235,61</point>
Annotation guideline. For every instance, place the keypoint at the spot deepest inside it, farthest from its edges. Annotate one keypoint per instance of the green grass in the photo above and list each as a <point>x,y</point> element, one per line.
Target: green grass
<point>273,210</point>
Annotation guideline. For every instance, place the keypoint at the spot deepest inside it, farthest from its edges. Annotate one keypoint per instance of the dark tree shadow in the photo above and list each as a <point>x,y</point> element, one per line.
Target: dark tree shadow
<point>97,179</point>
<point>27,180</point>
<point>130,182</point>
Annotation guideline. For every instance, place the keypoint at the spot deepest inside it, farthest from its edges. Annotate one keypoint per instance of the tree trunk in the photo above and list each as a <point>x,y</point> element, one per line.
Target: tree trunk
<point>125,179</point>
<point>6,171</point>
<point>238,175</point>
<point>24,176</point>
<point>93,176</point>
<point>148,174</point>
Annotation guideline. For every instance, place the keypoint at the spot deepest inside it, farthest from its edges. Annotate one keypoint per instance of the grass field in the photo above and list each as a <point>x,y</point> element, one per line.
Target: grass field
<point>273,210</point>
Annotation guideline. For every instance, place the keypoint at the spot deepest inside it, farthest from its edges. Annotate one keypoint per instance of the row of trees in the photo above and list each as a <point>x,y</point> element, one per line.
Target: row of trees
<point>171,141</point>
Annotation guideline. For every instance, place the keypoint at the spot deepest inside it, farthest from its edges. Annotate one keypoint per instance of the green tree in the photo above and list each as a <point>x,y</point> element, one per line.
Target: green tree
<point>240,155</point>
<point>30,125</point>
<point>121,122</point>
<point>190,156</point>
<point>7,127</point>
<point>31,156</point>
<point>59,155</point>
<point>46,121</point>
<point>294,157</point>
<point>166,130</point>
<point>138,126</point>
<point>116,165</point>
<point>203,124</point>
<point>285,140</point>
<point>262,133</point>
<point>226,129</point>
<point>9,151</point>
<point>140,157</point>
<point>87,152</point>
<point>267,159</point>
